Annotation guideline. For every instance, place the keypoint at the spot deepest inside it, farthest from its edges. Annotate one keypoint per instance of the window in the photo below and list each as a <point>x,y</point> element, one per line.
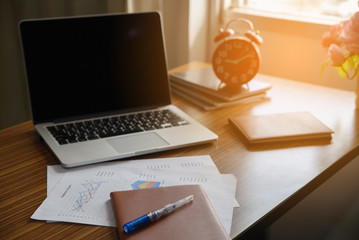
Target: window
<point>316,9</point>
<point>292,31</point>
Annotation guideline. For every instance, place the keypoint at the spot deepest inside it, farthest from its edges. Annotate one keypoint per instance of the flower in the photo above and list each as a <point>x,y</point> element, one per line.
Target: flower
<point>342,44</point>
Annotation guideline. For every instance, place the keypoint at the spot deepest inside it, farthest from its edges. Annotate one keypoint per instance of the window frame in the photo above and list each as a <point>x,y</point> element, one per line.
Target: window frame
<point>318,18</point>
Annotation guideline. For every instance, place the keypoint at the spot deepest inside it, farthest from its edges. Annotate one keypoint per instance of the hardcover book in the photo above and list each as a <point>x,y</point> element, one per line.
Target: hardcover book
<point>204,81</point>
<point>195,220</point>
<point>280,127</point>
<point>208,102</point>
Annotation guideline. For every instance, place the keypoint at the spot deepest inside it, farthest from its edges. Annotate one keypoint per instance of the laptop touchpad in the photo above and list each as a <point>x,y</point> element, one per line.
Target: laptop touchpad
<point>134,143</point>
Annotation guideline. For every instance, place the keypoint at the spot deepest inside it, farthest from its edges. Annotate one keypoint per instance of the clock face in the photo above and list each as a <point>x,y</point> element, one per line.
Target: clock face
<point>236,61</point>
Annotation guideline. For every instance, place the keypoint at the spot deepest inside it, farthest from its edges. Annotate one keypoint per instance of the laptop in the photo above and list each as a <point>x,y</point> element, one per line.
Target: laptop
<point>99,88</point>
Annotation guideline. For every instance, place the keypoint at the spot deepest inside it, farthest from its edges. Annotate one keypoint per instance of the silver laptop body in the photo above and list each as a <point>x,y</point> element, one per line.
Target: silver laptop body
<point>107,71</point>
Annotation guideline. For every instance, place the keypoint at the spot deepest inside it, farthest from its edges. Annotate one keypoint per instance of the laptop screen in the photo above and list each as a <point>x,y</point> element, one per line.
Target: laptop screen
<point>88,66</point>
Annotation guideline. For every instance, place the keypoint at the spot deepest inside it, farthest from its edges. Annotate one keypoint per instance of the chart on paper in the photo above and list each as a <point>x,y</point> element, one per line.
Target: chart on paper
<point>87,197</point>
<point>86,194</point>
<point>144,184</point>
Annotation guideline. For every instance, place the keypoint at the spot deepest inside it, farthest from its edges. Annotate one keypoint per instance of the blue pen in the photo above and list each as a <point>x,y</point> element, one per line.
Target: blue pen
<point>155,215</point>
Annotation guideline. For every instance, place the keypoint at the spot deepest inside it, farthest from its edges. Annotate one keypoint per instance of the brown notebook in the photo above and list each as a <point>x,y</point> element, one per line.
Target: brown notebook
<point>280,127</point>
<point>195,220</point>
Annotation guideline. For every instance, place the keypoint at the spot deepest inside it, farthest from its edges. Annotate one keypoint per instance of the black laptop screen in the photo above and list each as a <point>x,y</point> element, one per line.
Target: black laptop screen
<point>89,65</point>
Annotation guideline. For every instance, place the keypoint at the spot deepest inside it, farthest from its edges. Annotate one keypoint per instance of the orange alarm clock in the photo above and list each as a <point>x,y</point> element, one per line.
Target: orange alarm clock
<point>236,59</point>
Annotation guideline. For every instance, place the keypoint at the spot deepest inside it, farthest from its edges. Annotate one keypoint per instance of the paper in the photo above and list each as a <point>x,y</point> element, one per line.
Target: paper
<point>193,164</point>
<point>82,195</point>
<point>204,164</point>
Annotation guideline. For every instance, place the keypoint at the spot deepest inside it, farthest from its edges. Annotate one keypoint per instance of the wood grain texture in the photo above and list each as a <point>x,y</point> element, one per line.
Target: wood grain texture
<point>271,178</point>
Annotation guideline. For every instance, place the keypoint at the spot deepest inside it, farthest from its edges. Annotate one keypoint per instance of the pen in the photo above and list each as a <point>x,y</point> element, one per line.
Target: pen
<point>155,215</point>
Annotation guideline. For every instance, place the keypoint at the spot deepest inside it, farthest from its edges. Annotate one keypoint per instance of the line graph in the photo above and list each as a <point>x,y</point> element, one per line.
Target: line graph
<point>86,194</point>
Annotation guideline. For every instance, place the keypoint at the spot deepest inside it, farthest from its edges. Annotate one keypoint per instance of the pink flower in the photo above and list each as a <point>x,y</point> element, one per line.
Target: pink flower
<point>336,54</point>
<point>332,36</point>
<point>355,21</point>
<point>342,44</point>
<point>345,35</point>
<point>350,36</point>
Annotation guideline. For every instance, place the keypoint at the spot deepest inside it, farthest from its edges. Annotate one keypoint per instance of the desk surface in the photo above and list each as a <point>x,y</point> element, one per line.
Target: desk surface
<point>271,178</point>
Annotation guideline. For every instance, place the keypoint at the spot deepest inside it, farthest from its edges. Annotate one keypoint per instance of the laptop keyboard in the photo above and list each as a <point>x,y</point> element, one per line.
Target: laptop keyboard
<point>114,126</point>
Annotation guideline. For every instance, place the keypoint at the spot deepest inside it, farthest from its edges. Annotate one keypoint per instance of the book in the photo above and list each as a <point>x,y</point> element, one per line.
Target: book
<point>204,81</point>
<point>280,127</point>
<point>208,102</point>
<point>195,220</point>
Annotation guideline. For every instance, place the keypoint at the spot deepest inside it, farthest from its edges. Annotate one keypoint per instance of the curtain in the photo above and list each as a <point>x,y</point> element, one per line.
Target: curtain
<point>14,105</point>
<point>189,27</point>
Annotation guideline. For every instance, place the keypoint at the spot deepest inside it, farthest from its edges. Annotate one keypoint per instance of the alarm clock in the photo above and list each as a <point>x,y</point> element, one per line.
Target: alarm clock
<point>236,59</point>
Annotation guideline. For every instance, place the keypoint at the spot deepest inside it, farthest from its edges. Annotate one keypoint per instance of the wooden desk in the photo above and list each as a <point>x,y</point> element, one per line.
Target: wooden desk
<point>271,177</point>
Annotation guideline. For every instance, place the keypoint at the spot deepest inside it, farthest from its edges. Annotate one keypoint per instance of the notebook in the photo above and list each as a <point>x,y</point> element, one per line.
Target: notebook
<point>91,78</point>
<point>280,127</point>
<point>195,220</point>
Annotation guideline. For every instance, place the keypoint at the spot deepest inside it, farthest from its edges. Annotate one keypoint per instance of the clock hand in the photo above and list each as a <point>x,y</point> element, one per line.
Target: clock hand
<point>241,59</point>
<point>237,60</point>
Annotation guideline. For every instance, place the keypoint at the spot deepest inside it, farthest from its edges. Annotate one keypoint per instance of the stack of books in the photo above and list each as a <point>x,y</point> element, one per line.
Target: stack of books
<point>203,88</point>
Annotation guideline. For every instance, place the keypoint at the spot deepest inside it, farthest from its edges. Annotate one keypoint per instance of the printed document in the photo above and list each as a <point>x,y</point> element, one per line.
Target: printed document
<point>83,195</point>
